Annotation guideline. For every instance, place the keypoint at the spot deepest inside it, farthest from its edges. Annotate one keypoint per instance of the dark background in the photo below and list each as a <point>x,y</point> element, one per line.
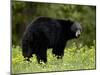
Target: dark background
<point>24,12</point>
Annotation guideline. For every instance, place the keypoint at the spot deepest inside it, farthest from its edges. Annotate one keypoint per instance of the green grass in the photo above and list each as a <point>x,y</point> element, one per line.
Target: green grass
<point>74,58</point>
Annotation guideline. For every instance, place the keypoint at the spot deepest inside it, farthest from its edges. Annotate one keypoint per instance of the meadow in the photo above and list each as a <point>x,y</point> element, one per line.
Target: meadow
<point>75,58</point>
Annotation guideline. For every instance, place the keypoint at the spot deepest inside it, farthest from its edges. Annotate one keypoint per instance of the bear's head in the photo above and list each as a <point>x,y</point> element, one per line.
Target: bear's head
<point>76,29</point>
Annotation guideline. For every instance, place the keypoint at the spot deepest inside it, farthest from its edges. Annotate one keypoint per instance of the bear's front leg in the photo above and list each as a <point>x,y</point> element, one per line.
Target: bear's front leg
<point>58,50</point>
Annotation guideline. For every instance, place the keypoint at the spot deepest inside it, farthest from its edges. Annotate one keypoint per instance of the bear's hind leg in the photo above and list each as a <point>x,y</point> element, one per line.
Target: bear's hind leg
<point>27,52</point>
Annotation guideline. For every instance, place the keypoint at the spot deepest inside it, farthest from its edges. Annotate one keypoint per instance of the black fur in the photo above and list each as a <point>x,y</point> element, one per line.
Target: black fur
<point>44,33</point>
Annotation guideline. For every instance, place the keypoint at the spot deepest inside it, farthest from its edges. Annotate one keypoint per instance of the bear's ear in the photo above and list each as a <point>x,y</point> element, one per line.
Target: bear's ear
<point>70,22</point>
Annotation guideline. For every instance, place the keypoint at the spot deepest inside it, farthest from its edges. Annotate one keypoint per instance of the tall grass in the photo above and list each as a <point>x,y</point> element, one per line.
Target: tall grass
<point>75,58</point>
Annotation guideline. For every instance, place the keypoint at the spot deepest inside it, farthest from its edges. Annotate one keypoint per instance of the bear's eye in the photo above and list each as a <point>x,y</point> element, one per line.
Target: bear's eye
<point>79,29</point>
<point>75,27</point>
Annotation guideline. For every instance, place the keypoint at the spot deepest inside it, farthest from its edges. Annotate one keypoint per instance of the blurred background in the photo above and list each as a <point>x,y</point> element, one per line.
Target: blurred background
<point>24,12</point>
<point>80,54</point>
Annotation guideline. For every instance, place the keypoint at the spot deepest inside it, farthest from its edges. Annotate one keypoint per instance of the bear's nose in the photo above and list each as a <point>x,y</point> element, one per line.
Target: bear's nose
<point>78,34</point>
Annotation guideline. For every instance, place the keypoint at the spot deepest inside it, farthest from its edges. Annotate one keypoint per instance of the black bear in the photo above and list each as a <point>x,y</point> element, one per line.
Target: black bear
<point>46,32</point>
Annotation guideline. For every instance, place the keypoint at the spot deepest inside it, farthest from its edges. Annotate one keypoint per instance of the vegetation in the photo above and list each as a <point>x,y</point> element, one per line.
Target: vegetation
<point>74,59</point>
<point>79,54</point>
<point>24,12</point>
